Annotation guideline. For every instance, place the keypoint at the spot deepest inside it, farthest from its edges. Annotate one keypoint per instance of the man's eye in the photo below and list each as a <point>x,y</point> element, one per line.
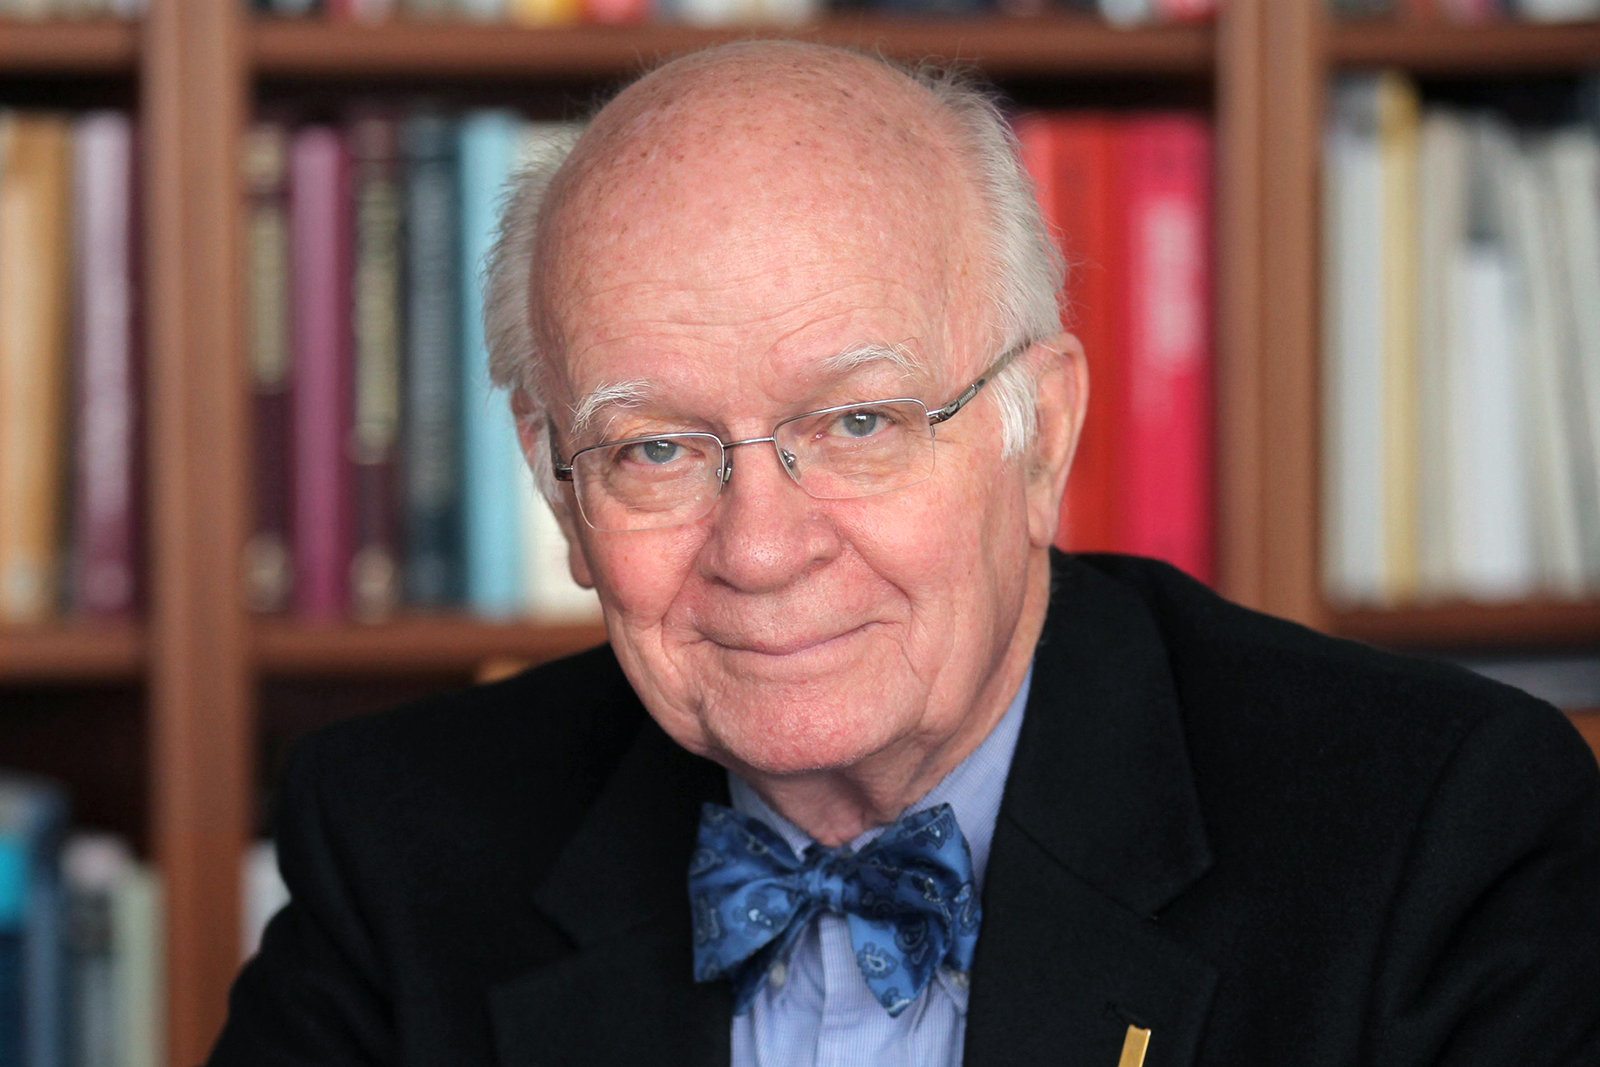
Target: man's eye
<point>653,452</point>
<point>860,423</point>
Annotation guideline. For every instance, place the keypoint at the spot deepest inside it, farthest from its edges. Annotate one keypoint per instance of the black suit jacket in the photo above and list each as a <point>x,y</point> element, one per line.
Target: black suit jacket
<point>1266,846</point>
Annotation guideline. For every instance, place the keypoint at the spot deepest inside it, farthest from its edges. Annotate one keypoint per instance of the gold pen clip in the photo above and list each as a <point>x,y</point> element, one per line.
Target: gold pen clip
<point>1134,1046</point>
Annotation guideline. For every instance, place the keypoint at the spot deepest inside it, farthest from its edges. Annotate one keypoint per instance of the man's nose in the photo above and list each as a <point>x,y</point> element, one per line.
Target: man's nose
<point>766,531</point>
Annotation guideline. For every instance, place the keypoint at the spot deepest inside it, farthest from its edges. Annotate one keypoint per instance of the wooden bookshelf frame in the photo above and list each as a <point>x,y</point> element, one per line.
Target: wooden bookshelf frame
<point>1304,48</point>
<point>91,46</point>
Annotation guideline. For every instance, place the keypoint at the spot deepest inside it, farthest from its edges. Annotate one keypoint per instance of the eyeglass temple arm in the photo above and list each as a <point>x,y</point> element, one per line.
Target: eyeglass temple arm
<point>943,414</point>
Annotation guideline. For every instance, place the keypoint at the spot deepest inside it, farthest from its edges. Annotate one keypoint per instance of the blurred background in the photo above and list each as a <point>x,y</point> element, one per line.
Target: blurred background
<point>1336,266</point>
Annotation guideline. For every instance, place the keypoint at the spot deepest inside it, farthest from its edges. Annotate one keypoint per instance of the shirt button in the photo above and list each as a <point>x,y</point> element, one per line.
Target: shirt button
<point>778,975</point>
<point>958,977</point>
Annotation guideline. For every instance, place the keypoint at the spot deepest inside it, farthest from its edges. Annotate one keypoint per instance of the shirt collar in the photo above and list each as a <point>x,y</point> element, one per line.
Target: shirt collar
<point>973,788</point>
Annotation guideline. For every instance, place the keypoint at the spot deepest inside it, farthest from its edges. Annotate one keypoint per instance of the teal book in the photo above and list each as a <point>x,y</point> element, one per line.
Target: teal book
<point>490,521</point>
<point>33,819</point>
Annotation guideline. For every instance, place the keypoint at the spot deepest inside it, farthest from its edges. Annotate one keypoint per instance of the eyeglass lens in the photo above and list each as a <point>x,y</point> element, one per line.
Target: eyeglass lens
<point>834,454</point>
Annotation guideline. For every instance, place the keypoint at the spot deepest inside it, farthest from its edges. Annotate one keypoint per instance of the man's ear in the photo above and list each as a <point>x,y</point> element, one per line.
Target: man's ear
<point>533,436</point>
<point>1062,399</point>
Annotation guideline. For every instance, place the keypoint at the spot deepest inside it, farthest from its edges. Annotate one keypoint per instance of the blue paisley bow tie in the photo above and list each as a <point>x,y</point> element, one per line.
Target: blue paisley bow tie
<point>908,898</point>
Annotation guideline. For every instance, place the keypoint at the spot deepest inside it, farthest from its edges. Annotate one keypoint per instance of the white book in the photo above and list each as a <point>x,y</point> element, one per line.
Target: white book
<point>1557,10</point>
<point>264,895</point>
<point>91,867</point>
<point>1441,212</point>
<point>139,938</point>
<point>1541,334</point>
<point>1573,159</point>
<point>1491,538</point>
<point>1127,12</point>
<point>1353,483</point>
<point>549,592</point>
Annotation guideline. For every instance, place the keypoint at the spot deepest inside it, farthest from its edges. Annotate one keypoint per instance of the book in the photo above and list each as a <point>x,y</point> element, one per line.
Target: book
<point>1167,431</point>
<point>544,12</point>
<point>376,319</point>
<point>268,568</point>
<point>1089,203</point>
<point>105,512</point>
<point>1526,205</point>
<point>1440,193</point>
<point>264,894</point>
<point>35,288</point>
<point>33,816</point>
<point>491,456</point>
<point>320,247</point>
<point>1353,556</point>
<point>91,866</point>
<point>13,913</point>
<point>431,457</point>
<point>138,935</point>
<point>1571,161</point>
<point>1398,118</point>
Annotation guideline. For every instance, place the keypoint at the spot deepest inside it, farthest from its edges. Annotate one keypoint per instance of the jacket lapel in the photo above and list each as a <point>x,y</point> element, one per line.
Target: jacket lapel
<point>1100,828</point>
<point>626,994</point>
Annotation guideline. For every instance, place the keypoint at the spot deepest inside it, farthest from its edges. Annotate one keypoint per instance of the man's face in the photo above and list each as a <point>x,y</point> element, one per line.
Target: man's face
<point>782,633</point>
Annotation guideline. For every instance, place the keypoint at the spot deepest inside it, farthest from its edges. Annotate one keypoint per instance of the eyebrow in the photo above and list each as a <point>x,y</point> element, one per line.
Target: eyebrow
<point>635,391</point>
<point>866,355</point>
<point>624,394</point>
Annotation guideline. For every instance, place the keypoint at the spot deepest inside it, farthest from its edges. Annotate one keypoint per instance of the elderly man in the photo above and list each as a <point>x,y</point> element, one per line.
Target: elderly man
<point>865,774</point>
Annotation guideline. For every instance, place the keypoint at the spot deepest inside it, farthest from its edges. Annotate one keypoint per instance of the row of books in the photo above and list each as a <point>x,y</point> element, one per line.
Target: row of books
<point>1471,12</point>
<point>81,973</point>
<point>715,12</point>
<point>69,415</point>
<point>387,472</point>
<point>1462,352</point>
<point>1130,198</point>
<point>36,10</point>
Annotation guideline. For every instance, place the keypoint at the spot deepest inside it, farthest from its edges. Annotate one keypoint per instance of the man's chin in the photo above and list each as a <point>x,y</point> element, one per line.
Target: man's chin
<point>800,741</point>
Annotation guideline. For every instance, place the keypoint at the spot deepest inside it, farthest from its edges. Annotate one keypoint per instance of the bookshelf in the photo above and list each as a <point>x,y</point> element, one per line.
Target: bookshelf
<point>210,682</point>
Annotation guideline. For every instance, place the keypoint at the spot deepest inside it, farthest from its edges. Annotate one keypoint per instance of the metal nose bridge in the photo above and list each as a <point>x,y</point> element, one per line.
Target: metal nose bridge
<point>786,458</point>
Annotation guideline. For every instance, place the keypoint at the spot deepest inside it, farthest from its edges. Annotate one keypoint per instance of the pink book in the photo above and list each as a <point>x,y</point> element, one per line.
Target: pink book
<point>105,537</point>
<point>319,255</point>
<point>1167,421</point>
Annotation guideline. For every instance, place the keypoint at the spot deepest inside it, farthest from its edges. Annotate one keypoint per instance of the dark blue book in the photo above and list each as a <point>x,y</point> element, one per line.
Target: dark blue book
<point>33,819</point>
<point>431,471</point>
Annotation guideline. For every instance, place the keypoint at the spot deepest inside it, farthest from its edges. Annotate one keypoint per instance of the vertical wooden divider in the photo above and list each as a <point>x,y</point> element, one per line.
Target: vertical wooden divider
<point>1291,101</point>
<point>1237,295</point>
<point>193,86</point>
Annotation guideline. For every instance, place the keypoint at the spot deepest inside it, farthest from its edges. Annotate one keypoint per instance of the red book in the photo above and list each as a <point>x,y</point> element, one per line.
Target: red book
<point>1089,203</point>
<point>105,537</point>
<point>319,236</point>
<point>1167,425</point>
<point>616,12</point>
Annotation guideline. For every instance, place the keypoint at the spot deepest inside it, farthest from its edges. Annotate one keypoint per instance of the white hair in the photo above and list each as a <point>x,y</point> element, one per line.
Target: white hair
<point>1021,289</point>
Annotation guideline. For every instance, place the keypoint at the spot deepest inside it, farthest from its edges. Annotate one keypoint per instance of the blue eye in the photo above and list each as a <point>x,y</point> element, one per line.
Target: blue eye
<point>860,423</point>
<point>658,451</point>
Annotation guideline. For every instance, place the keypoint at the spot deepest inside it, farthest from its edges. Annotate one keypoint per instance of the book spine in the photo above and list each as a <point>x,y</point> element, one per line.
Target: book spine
<point>1089,205</point>
<point>544,12</point>
<point>34,293</point>
<point>320,251</point>
<point>268,566</point>
<point>1168,429</point>
<point>622,12</point>
<point>376,317</point>
<point>13,907</point>
<point>432,454</point>
<point>106,426</point>
<point>139,965</point>
<point>490,451</point>
<point>1398,138</point>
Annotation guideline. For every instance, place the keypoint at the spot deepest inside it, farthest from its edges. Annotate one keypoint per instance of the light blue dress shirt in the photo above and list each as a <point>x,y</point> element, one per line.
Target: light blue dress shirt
<point>815,1009</point>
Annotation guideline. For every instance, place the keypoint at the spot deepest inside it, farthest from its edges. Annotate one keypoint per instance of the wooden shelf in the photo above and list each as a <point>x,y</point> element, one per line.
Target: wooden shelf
<point>72,652</point>
<point>95,46</point>
<point>1506,47</point>
<point>1058,46</point>
<point>422,645</point>
<point>1465,626</point>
